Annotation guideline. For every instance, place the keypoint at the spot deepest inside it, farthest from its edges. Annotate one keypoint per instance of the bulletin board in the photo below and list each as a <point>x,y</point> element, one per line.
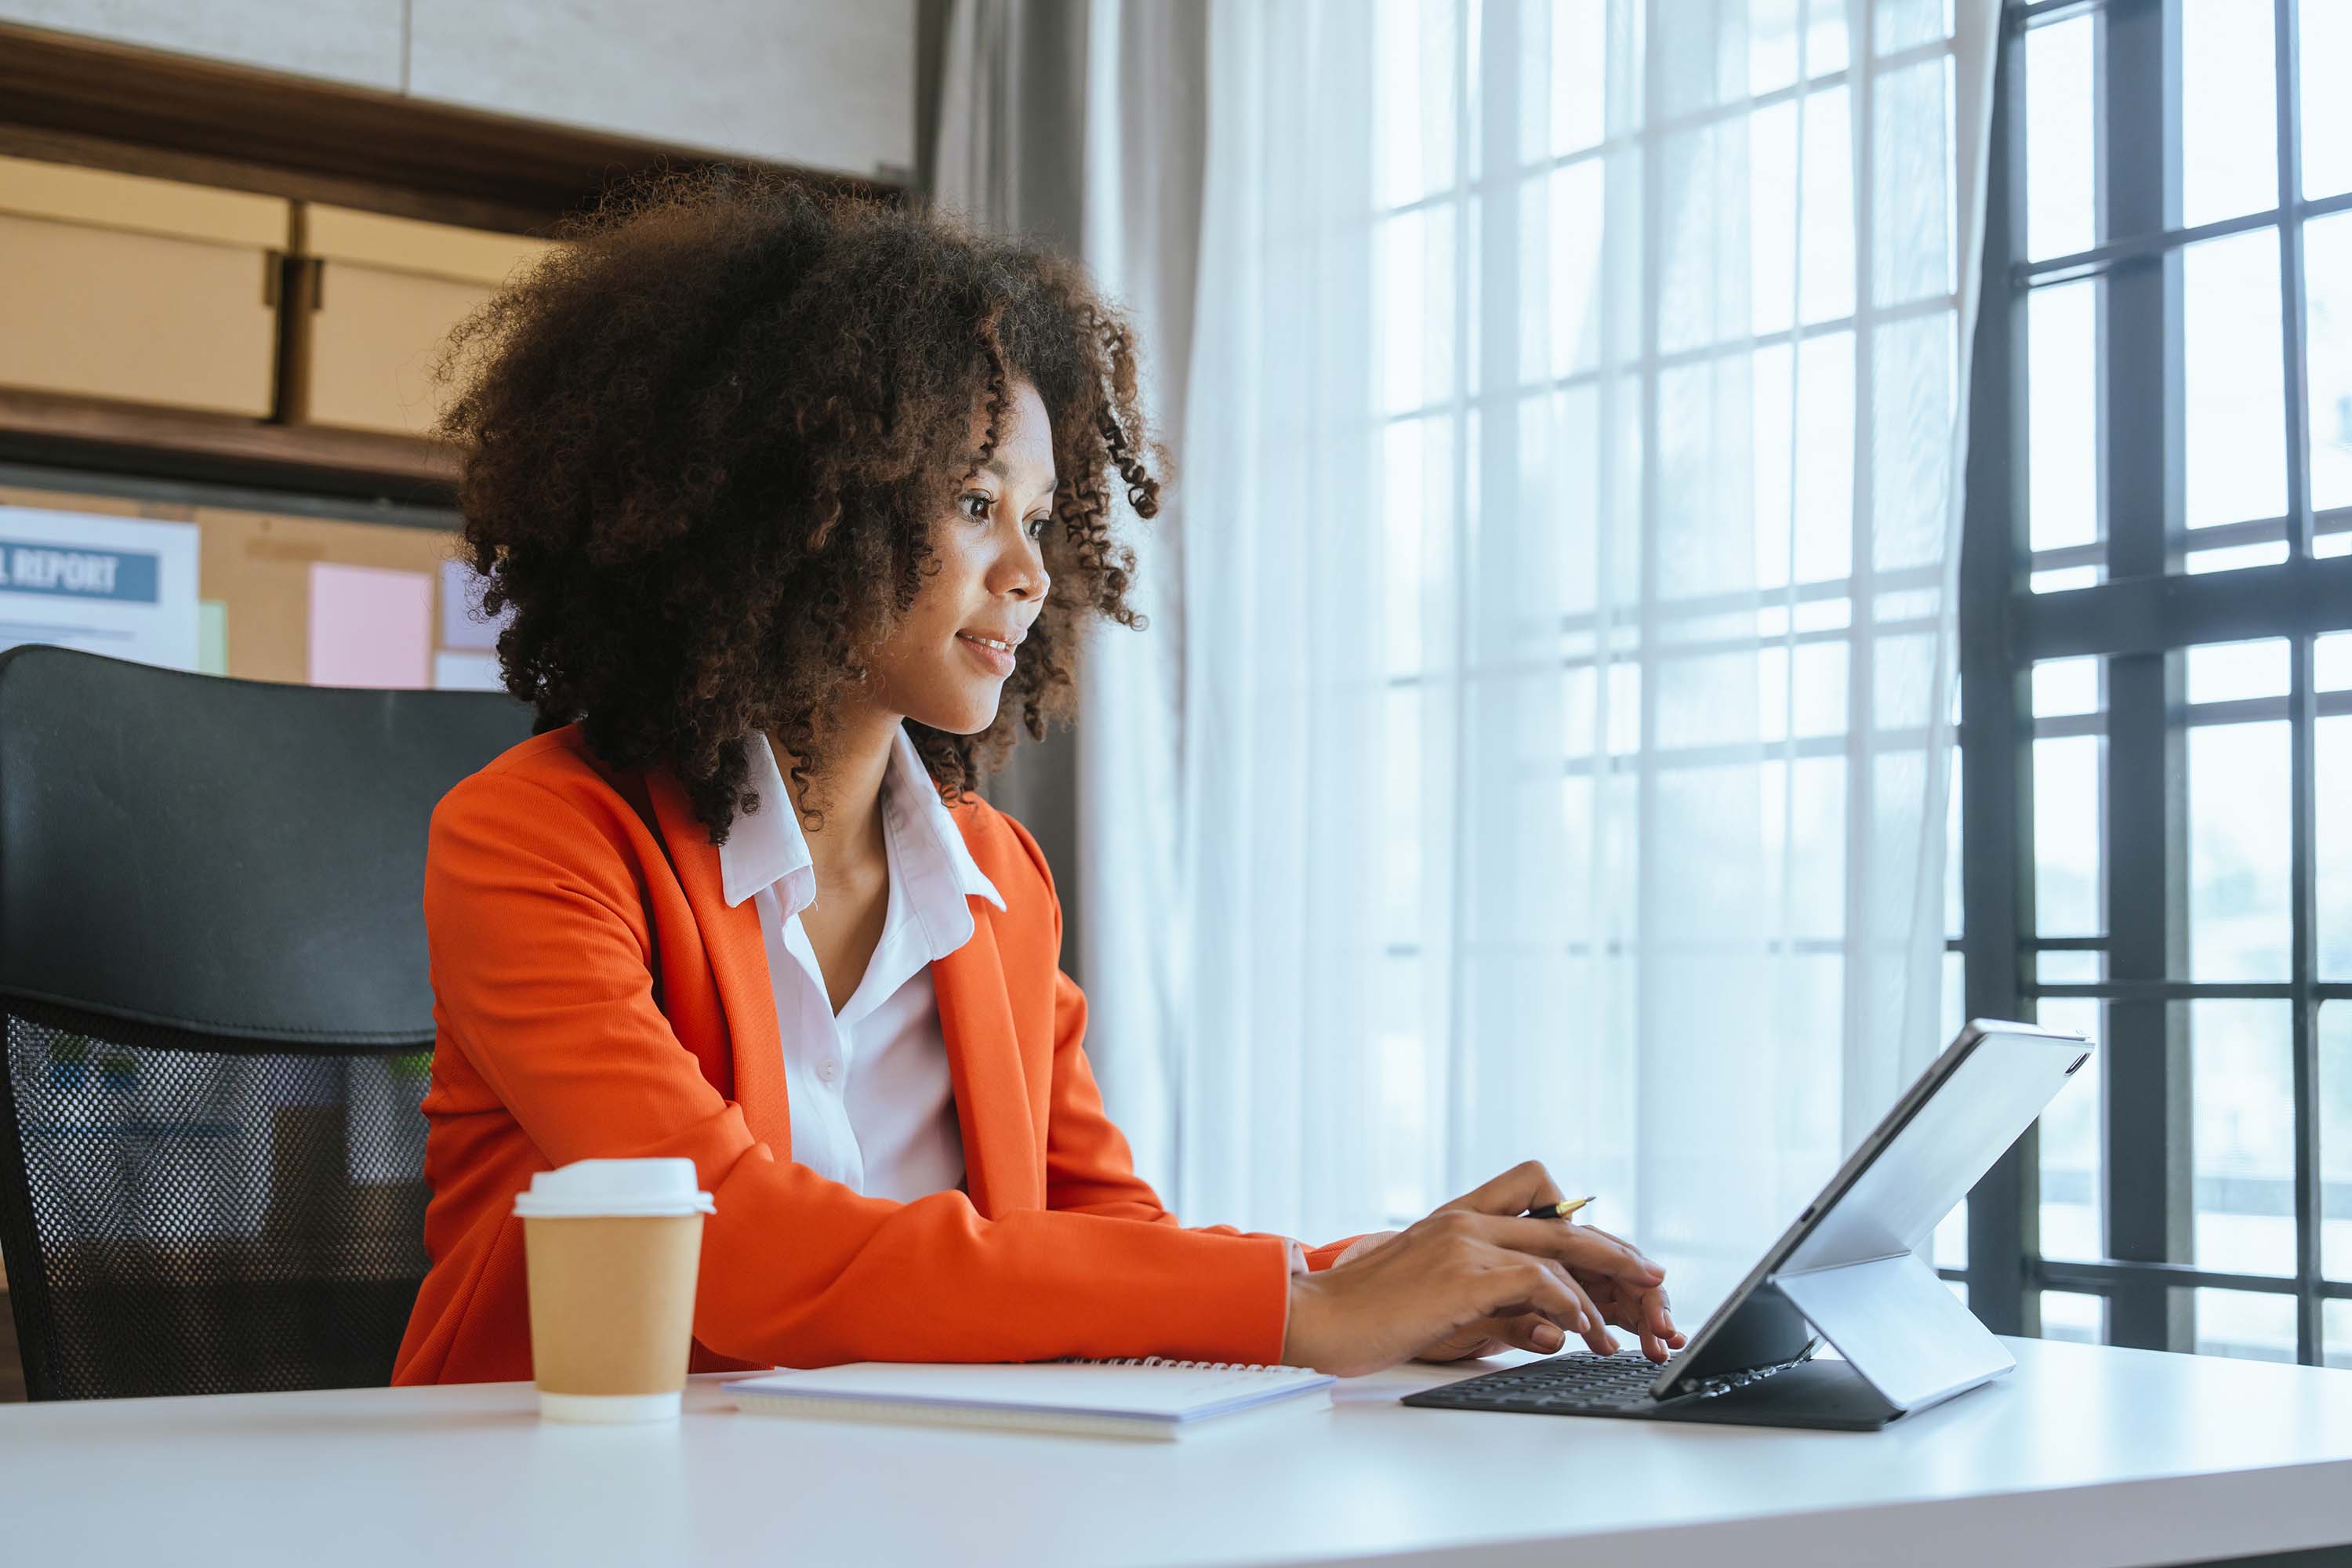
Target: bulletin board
<point>308,600</point>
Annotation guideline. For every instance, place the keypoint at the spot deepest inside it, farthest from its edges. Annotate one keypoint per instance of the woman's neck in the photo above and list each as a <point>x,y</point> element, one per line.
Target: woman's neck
<point>849,791</point>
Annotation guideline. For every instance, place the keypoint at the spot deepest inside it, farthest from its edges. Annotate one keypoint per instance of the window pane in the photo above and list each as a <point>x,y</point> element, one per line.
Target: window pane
<point>2332,661</point>
<point>2249,1325</point>
<point>1826,36</point>
<point>1952,884</point>
<point>1949,1246</point>
<point>2233,671</point>
<point>1824,415</point>
<point>1955,1011</point>
<point>2328,275</point>
<point>2334,878</point>
<point>1700,299</point>
<point>2241,1140</point>
<point>2063,413</point>
<point>2238,851</point>
<point>1572,95</point>
<point>1623,692</point>
<point>2229,109</point>
<point>1819,690</point>
<point>2326,49</point>
<point>1817,846</point>
<point>1907,23</point>
<point>1911,188</point>
<point>2335,1333</point>
<point>2066,835</point>
<point>2237,557</point>
<point>2336,1143</point>
<point>2070,966</point>
<point>1570,445</point>
<point>1827,290</point>
<point>1774,397</point>
<point>1773,218</point>
<point>2235,399</point>
<point>2068,1316</point>
<point>1401,869</point>
<point>1416,508</point>
<point>1414,45</point>
<point>1561,233</point>
<point>2065,687</point>
<point>2072,1188</point>
<point>1406,1093</point>
<point>1694,61</point>
<point>2065,579</point>
<point>1414,262</point>
<point>2061,139</point>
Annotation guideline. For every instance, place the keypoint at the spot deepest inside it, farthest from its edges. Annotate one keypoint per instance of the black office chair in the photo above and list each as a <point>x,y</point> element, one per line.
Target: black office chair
<point>218,1020</point>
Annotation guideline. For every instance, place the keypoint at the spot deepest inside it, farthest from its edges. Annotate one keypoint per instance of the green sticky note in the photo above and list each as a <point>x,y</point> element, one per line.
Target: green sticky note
<point>211,637</point>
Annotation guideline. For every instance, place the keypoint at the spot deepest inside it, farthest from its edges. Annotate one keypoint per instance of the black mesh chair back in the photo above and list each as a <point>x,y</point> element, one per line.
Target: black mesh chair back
<point>219,1019</point>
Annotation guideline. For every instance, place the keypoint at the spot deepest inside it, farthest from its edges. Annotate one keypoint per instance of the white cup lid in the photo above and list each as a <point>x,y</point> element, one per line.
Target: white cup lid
<point>621,1189</point>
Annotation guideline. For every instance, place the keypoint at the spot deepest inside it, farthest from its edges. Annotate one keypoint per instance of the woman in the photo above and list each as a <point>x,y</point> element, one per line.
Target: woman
<point>801,506</point>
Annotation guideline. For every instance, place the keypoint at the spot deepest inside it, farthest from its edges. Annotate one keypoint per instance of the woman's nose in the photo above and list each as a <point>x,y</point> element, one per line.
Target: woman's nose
<point>1030,578</point>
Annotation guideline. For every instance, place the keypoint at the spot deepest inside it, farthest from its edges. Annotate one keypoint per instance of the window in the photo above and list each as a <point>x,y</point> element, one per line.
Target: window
<point>1666,364</point>
<point>2156,672</point>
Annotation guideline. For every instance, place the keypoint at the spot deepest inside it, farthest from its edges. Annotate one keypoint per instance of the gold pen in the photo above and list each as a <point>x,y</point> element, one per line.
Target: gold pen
<point>1560,1210</point>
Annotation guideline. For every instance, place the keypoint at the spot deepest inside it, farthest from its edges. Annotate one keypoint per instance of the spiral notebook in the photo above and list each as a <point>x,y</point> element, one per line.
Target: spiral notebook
<point>1144,1397</point>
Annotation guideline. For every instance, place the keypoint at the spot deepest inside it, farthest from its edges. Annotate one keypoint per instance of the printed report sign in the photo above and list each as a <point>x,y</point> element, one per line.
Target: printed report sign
<point>120,586</point>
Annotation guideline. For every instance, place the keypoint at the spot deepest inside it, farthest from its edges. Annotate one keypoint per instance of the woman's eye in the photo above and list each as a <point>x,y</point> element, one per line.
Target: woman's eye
<point>1037,528</point>
<point>982,515</point>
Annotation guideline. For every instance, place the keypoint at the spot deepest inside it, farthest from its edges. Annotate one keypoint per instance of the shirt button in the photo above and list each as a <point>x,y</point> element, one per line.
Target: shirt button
<point>825,1072</point>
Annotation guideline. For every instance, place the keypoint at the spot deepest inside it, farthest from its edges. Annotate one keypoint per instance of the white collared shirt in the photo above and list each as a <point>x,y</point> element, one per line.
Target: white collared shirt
<point>872,1105</point>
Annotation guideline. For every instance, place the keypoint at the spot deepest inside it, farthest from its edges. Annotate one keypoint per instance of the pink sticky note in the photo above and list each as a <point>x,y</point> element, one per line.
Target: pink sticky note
<point>369,626</point>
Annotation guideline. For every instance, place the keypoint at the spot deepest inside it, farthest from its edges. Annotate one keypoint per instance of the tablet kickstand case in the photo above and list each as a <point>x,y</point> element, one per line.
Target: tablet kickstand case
<point>1906,1342</point>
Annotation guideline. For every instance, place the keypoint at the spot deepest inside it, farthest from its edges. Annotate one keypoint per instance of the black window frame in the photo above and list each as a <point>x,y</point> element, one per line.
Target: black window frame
<point>2139,619</point>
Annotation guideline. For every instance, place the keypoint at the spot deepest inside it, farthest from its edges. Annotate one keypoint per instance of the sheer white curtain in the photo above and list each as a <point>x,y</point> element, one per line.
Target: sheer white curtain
<point>1571,458</point>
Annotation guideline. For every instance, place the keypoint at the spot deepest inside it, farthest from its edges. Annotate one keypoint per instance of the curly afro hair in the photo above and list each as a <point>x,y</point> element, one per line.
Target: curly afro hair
<point>702,444</point>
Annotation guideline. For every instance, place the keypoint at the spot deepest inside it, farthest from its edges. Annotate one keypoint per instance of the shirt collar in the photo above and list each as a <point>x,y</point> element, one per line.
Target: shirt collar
<point>766,847</point>
<point>914,798</point>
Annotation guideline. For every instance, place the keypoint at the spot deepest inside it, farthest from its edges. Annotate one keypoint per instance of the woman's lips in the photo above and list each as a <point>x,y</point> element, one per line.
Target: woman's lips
<point>996,660</point>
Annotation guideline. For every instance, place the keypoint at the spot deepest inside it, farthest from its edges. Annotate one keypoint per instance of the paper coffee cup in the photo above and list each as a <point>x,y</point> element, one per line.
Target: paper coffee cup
<point>610,1248</point>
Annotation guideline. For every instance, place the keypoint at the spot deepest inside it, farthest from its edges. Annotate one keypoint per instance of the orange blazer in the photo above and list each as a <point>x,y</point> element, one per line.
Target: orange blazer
<point>595,996</point>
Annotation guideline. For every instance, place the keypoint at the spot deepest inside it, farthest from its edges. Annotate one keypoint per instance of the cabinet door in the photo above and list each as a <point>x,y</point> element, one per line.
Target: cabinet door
<point>818,83</point>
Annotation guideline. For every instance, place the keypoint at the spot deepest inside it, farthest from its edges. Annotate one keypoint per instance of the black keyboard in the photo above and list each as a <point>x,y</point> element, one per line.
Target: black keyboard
<point>1580,1383</point>
<point>1829,1395</point>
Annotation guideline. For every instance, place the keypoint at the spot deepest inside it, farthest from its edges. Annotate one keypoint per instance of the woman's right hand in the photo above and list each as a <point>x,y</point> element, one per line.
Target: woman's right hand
<point>1459,1265</point>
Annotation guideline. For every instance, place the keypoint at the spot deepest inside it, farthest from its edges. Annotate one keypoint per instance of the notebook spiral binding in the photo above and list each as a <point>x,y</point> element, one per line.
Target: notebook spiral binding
<point>1190,1365</point>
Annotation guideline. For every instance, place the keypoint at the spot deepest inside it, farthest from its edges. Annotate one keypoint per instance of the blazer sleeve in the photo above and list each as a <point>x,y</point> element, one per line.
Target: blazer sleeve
<point>1089,1168</point>
<point>542,965</point>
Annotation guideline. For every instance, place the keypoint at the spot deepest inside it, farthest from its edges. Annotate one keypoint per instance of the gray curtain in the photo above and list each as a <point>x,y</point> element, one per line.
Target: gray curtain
<point>1082,124</point>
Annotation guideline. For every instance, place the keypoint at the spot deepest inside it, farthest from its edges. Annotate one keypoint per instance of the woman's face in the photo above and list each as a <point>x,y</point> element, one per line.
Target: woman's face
<point>937,668</point>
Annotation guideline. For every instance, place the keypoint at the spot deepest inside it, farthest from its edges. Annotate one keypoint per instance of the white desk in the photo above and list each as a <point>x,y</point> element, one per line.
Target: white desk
<point>2083,1456</point>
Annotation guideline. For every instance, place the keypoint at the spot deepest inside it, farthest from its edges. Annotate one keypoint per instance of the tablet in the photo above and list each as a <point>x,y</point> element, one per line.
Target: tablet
<point>1878,1210</point>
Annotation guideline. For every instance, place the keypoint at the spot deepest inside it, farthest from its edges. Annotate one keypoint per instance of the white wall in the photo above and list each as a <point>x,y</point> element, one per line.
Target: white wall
<point>825,84</point>
<point>816,82</point>
<point>356,41</point>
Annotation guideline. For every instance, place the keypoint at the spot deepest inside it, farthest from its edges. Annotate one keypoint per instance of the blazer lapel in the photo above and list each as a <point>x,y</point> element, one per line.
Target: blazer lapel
<point>738,965</point>
<point>1001,1156</point>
